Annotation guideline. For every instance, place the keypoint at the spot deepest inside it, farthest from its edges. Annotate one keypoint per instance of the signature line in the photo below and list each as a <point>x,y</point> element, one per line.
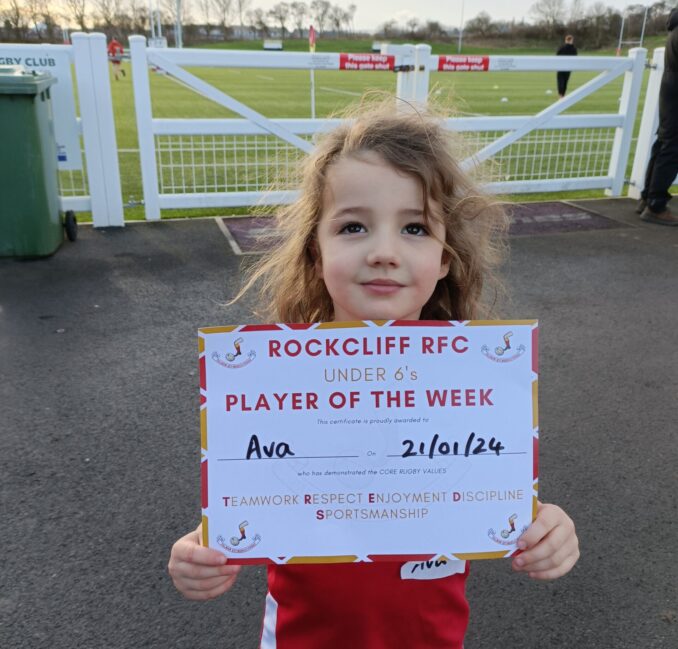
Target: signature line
<point>292,457</point>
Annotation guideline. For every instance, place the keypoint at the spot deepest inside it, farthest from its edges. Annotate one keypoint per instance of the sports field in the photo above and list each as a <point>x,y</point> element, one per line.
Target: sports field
<point>286,93</point>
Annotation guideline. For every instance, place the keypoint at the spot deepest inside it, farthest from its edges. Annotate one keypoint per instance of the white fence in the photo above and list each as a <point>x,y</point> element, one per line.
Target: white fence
<point>201,163</point>
<point>95,185</point>
<point>230,162</point>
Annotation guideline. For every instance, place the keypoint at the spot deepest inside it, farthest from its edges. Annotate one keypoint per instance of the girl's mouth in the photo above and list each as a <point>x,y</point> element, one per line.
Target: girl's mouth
<point>382,286</point>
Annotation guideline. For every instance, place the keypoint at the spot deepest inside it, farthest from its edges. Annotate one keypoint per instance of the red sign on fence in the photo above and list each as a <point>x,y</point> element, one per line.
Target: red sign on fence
<point>366,62</point>
<point>462,63</point>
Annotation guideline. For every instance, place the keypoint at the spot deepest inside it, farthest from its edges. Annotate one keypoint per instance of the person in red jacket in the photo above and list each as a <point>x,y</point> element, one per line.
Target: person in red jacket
<point>115,52</point>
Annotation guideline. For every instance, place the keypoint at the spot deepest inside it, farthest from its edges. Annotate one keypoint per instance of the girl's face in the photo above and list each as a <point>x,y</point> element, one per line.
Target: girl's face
<point>376,254</point>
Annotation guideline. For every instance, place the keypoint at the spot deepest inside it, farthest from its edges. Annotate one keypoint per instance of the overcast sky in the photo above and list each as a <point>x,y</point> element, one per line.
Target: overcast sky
<point>370,14</point>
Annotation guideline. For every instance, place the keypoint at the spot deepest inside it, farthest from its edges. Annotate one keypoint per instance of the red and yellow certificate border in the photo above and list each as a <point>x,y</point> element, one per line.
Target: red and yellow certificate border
<point>206,331</point>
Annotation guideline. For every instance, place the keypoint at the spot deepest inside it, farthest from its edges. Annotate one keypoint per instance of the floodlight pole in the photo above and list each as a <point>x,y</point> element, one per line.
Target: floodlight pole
<point>461,27</point>
<point>151,19</point>
<point>621,34</point>
<point>155,21</point>
<point>642,33</point>
<point>178,41</point>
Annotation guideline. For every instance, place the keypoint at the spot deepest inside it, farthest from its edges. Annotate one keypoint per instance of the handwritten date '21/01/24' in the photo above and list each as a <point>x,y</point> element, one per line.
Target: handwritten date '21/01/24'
<point>473,446</point>
<point>432,448</point>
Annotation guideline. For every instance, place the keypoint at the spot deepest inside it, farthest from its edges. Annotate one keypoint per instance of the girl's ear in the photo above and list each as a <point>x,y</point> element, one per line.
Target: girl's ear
<point>317,259</point>
<point>444,265</point>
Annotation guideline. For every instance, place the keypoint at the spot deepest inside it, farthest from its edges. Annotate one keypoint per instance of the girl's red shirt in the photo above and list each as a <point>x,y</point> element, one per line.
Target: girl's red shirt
<point>367,605</point>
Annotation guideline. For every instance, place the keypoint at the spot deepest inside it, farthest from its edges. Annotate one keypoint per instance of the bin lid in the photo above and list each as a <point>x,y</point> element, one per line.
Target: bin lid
<point>16,80</point>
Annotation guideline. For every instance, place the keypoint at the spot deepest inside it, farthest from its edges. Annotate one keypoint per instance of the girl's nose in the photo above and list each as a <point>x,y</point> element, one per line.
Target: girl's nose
<point>383,251</point>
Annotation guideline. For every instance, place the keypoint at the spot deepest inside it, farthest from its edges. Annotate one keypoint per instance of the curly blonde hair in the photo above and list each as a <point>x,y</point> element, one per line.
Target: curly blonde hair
<point>414,143</point>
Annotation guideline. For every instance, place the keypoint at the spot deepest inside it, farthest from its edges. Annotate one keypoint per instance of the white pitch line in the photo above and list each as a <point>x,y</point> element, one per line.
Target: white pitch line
<point>229,237</point>
<point>265,78</point>
<point>340,92</point>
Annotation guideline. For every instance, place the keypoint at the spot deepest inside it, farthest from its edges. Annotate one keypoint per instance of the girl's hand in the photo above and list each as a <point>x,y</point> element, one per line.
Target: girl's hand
<point>200,573</point>
<point>550,545</point>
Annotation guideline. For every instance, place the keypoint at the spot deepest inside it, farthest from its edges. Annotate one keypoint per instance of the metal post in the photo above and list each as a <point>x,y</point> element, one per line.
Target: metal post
<point>461,27</point>
<point>422,56</point>
<point>144,115</point>
<point>98,129</point>
<point>648,125</point>
<point>633,80</point>
<point>405,81</point>
<point>311,49</point>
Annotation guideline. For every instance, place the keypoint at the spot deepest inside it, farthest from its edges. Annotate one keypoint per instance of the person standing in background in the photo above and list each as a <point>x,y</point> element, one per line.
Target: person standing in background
<point>567,49</point>
<point>663,165</point>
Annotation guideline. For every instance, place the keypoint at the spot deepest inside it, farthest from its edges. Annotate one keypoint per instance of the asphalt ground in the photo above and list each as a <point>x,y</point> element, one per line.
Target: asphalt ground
<point>99,459</point>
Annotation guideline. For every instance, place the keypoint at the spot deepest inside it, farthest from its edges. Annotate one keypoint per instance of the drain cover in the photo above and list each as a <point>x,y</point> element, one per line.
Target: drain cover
<point>551,218</point>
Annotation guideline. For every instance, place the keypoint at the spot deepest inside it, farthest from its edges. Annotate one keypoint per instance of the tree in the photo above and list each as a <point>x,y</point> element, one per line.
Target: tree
<point>412,24</point>
<point>169,7</point>
<point>599,19</point>
<point>481,25</point>
<point>77,11</point>
<point>434,31</point>
<point>34,13</point>
<point>138,13</point>
<point>242,6</point>
<point>320,10</point>
<point>337,17</point>
<point>204,11</point>
<point>280,13</point>
<point>576,11</point>
<point>299,13</point>
<point>15,20</point>
<point>350,15</point>
<point>107,11</point>
<point>390,29</point>
<point>549,13</point>
<point>223,10</point>
<point>257,21</point>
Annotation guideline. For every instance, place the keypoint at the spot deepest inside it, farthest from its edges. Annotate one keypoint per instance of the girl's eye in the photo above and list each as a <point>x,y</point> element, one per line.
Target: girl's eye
<point>352,228</point>
<point>417,229</point>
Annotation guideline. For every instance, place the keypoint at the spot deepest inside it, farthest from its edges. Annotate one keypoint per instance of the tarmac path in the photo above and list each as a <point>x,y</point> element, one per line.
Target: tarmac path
<point>99,440</point>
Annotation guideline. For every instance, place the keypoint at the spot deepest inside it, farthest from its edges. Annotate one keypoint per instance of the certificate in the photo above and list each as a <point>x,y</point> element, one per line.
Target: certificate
<point>368,441</point>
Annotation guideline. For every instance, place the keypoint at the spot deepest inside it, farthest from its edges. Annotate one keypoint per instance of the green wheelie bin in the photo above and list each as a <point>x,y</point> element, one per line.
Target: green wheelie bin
<point>30,221</point>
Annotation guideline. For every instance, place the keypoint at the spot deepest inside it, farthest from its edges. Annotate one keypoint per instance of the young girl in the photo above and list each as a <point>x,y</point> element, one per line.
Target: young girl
<point>386,227</point>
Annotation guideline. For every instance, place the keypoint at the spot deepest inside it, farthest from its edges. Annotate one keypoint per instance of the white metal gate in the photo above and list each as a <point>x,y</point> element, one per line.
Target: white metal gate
<point>168,145</point>
<point>518,131</point>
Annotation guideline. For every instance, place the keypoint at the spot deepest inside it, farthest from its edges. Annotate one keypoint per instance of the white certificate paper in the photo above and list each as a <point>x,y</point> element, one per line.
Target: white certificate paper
<point>368,441</point>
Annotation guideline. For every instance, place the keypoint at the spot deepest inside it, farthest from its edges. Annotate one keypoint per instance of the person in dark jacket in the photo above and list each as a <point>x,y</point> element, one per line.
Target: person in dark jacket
<point>562,77</point>
<point>663,166</point>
